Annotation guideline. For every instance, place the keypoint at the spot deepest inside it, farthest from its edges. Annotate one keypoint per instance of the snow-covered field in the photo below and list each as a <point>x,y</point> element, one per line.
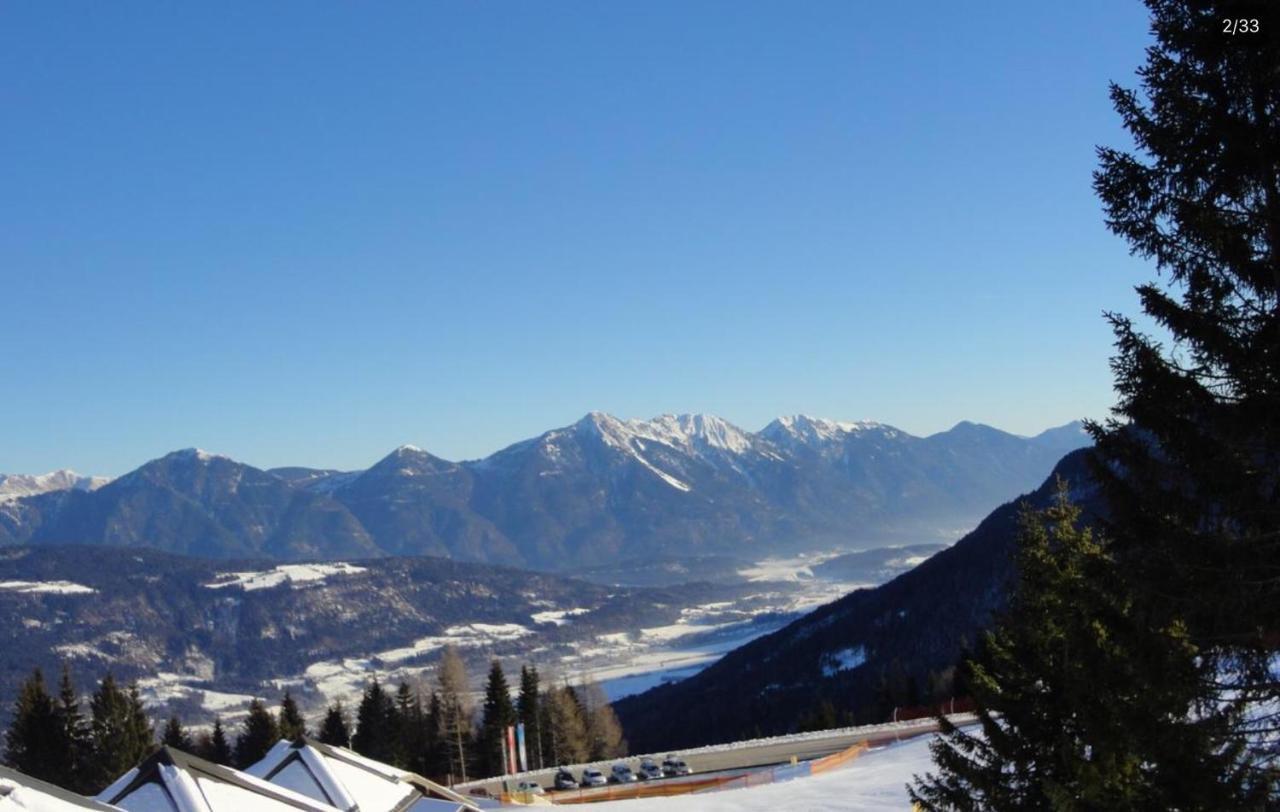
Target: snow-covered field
<point>294,574</point>
<point>875,782</point>
<point>46,587</point>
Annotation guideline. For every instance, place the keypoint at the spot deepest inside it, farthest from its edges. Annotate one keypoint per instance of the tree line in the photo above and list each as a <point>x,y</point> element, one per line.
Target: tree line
<point>435,733</point>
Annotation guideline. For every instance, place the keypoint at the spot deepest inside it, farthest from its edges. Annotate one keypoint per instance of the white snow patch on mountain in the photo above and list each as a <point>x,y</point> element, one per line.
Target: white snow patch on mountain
<point>686,432</point>
<point>557,616</point>
<point>46,588</point>
<point>471,635</point>
<point>819,431</point>
<point>846,659</point>
<point>294,574</point>
<point>17,486</point>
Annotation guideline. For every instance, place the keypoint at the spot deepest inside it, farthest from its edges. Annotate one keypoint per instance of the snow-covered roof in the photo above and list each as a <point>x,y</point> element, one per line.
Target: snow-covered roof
<point>22,793</point>
<point>350,782</point>
<point>173,781</point>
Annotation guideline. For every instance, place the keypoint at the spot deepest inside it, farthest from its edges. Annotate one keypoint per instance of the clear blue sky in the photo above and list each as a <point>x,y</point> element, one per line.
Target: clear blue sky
<point>305,233</point>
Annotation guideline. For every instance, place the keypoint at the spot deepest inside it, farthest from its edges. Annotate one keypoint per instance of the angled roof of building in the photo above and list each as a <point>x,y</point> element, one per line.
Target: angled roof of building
<point>22,793</point>
<point>173,781</point>
<point>350,782</point>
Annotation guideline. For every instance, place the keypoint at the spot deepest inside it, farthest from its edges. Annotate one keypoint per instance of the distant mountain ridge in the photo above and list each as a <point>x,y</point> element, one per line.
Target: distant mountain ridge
<point>866,653</point>
<point>16,486</point>
<point>591,492</point>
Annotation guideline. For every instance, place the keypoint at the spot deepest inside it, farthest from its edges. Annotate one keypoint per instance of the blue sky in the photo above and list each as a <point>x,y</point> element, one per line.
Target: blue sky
<point>305,233</point>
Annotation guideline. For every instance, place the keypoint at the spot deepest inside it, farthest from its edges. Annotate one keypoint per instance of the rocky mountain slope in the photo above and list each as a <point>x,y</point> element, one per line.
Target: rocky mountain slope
<point>590,493</point>
<point>864,654</point>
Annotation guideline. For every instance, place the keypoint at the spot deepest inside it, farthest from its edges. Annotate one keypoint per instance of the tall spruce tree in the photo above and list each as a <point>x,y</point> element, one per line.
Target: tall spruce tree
<point>216,748</point>
<point>1189,463</point>
<point>35,742</point>
<point>121,733</point>
<point>410,730</point>
<point>435,757</point>
<point>375,719</point>
<point>499,714</point>
<point>75,745</point>
<point>292,725</point>
<point>335,729</point>
<point>529,712</point>
<point>1050,738</point>
<point>258,735</point>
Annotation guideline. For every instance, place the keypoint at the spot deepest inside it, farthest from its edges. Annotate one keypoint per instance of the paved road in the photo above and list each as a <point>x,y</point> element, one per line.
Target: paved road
<point>757,753</point>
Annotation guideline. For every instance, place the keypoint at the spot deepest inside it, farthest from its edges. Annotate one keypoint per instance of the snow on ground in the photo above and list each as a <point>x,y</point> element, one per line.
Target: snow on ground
<point>796,568</point>
<point>846,659</point>
<point>557,616</point>
<point>166,686</point>
<point>472,635</point>
<point>46,588</point>
<point>344,679</point>
<point>294,574</point>
<point>875,782</point>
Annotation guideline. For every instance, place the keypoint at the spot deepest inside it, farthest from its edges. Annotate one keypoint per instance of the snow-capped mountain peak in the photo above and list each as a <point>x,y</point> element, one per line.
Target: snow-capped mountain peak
<point>816,431</point>
<point>197,454</point>
<point>687,432</point>
<point>16,486</point>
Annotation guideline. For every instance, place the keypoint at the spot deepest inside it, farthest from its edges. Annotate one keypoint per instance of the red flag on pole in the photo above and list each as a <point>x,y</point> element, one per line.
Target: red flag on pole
<point>511,749</point>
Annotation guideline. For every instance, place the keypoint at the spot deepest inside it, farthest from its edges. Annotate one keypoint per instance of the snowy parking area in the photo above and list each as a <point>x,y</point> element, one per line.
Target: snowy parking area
<point>875,782</point>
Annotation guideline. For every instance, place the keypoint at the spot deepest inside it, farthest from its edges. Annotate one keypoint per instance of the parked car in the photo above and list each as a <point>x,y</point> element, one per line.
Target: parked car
<point>591,777</point>
<point>648,769</point>
<point>673,765</point>
<point>565,779</point>
<point>621,774</point>
<point>531,787</point>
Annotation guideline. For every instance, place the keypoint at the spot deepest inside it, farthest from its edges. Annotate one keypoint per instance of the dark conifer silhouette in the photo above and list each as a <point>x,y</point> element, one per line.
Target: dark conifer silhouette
<point>291,724</point>
<point>258,734</point>
<point>335,729</point>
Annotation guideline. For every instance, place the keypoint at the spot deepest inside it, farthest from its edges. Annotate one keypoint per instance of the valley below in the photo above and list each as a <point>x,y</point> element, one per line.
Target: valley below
<point>203,638</point>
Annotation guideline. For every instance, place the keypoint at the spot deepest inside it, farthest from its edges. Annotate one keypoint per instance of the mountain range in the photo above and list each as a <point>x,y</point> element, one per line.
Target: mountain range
<point>597,491</point>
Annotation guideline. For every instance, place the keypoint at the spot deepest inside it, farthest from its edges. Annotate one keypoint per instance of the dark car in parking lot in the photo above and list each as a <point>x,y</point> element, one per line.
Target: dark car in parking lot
<point>565,779</point>
<point>649,769</point>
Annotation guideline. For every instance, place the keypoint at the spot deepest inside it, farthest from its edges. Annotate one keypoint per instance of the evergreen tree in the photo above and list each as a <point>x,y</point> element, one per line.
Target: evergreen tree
<point>219,751</point>
<point>35,742</point>
<point>258,735</point>
<point>455,718</point>
<point>176,736</point>
<point>435,758</point>
<point>335,730</point>
<point>142,731</point>
<point>292,725</point>
<point>499,714</point>
<point>411,730</point>
<point>121,734</point>
<point>527,707</point>
<point>1050,738</point>
<point>76,746</point>
<point>1189,464</point>
<point>374,736</point>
